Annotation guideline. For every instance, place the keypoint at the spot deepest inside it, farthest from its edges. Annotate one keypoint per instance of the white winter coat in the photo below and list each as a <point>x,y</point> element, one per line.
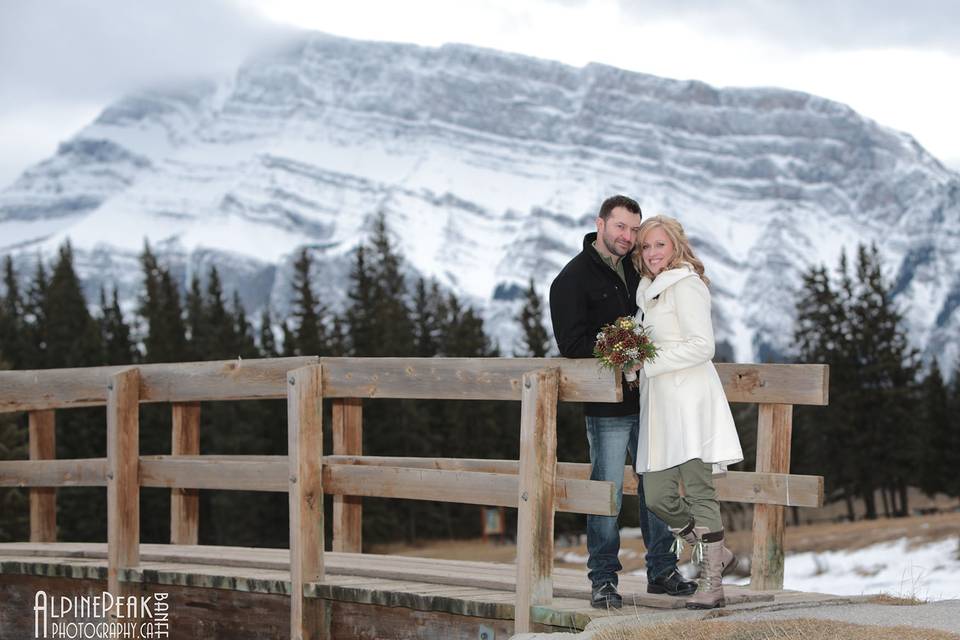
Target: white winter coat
<point>684,413</point>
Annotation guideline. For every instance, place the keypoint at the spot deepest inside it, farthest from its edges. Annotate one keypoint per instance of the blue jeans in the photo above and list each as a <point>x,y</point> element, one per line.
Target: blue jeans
<point>610,438</point>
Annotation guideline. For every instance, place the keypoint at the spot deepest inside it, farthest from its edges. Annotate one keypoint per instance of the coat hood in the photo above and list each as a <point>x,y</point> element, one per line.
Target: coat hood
<point>649,289</point>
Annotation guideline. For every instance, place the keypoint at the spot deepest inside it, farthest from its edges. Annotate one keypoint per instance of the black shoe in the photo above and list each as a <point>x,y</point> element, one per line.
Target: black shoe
<point>673,584</point>
<point>605,597</point>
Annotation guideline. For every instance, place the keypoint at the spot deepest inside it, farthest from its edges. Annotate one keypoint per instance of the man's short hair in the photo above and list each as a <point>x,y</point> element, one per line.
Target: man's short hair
<point>613,202</point>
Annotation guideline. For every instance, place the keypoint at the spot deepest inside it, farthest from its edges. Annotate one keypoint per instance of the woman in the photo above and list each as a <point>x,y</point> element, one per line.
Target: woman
<point>686,428</point>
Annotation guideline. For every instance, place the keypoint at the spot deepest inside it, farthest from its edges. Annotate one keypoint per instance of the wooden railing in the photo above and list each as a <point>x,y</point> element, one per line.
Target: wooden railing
<point>535,484</point>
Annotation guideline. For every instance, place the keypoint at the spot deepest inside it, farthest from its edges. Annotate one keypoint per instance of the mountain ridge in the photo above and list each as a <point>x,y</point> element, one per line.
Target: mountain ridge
<point>489,167</point>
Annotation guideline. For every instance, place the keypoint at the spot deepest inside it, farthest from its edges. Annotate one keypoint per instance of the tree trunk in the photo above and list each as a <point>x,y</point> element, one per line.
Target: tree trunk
<point>904,507</point>
<point>870,504</point>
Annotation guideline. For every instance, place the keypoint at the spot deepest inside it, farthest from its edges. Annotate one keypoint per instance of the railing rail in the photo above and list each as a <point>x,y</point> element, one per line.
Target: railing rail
<point>536,484</point>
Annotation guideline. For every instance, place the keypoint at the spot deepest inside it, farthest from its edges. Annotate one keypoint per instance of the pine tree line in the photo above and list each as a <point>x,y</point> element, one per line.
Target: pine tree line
<point>49,325</point>
<point>889,424</point>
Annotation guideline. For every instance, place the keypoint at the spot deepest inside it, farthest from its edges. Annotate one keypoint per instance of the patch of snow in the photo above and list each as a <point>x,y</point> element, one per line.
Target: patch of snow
<point>929,571</point>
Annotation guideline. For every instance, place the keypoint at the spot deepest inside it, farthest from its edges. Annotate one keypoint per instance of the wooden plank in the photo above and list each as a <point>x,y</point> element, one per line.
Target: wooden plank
<point>185,503</point>
<point>463,378</point>
<point>167,382</point>
<point>123,490</point>
<point>269,473</point>
<point>78,472</point>
<point>305,452</point>
<point>341,568</point>
<point>465,487</point>
<point>734,486</point>
<point>440,378</point>
<point>393,577</point>
<point>538,468</point>
<point>347,440</point>
<point>784,489</point>
<point>216,472</point>
<point>43,500</point>
<point>774,430</point>
<point>776,383</point>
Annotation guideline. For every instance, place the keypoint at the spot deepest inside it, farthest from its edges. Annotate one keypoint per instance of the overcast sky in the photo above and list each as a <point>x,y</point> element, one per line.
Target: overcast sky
<point>62,61</point>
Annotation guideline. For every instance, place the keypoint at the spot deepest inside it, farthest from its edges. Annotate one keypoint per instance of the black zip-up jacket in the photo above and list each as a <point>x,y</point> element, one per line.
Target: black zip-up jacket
<point>584,296</point>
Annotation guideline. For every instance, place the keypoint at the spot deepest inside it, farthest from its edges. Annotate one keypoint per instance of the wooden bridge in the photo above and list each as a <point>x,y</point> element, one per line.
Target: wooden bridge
<point>305,592</point>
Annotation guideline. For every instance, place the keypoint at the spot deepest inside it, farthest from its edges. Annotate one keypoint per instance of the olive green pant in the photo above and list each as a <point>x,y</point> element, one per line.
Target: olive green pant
<point>662,491</point>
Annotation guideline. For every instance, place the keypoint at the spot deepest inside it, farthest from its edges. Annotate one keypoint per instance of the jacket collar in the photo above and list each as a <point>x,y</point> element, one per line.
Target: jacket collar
<point>649,289</point>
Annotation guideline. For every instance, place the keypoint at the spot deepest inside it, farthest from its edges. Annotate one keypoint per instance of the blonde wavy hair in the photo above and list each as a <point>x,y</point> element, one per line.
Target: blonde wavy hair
<point>682,251</point>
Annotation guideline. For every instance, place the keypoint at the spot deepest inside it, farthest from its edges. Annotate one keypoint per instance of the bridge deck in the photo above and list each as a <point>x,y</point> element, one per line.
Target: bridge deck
<point>235,590</point>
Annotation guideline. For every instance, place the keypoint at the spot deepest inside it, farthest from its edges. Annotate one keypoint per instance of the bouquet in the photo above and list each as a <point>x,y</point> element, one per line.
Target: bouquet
<point>622,345</point>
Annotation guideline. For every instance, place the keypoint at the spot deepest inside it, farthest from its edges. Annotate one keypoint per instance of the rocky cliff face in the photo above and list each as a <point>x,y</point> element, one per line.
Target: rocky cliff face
<point>490,167</point>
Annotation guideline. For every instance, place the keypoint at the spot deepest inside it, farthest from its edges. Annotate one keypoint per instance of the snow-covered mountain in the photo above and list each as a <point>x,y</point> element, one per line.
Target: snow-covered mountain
<point>490,167</point>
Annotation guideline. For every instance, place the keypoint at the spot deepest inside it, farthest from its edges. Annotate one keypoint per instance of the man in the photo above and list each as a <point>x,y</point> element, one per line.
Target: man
<point>595,288</point>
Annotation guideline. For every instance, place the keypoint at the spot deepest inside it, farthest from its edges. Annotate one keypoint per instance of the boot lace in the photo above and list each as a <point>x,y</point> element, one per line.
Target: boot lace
<point>697,554</point>
<point>677,546</point>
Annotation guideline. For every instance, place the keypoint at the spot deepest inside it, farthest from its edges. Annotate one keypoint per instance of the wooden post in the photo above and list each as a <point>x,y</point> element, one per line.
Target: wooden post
<point>123,481</point>
<point>774,429</point>
<point>185,503</point>
<point>347,440</point>
<point>43,500</point>
<point>305,452</point>
<point>538,470</point>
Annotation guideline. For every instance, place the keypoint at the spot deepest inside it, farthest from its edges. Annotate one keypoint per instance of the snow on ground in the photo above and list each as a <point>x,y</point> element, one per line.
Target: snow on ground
<point>928,571</point>
<point>924,570</point>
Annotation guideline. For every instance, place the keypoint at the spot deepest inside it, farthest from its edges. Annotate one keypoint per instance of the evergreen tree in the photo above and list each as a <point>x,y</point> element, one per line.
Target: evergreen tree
<point>245,346</point>
<point>162,312</point>
<point>824,436</point>
<point>935,434</point>
<point>339,340</point>
<point>463,334</point>
<point>429,308</point>
<point>378,323</point>
<point>951,463</point>
<point>887,370</point>
<point>361,306</point>
<point>223,340</point>
<point>289,340</point>
<point>198,329</point>
<point>34,326</point>
<point>12,333</point>
<point>72,337</point>
<point>311,336</point>
<point>394,336</point>
<point>856,329</point>
<point>536,340</point>
<point>118,347</point>
<point>267,342</point>
<point>471,429</point>
<point>14,501</point>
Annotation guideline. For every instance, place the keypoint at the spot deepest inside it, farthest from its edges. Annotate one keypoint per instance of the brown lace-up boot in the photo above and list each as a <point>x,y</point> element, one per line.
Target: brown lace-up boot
<point>691,535</point>
<point>709,593</point>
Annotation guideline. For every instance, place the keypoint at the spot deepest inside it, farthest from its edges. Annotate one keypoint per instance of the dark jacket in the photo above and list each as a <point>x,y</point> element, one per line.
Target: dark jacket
<point>586,295</point>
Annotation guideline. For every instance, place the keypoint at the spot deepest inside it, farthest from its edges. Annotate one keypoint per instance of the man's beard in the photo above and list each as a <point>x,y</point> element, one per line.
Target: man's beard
<point>613,248</point>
